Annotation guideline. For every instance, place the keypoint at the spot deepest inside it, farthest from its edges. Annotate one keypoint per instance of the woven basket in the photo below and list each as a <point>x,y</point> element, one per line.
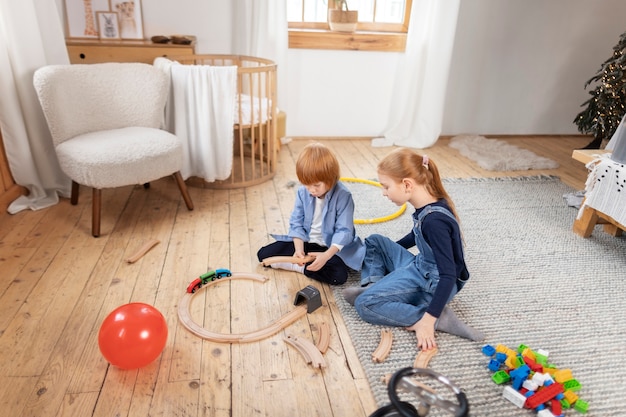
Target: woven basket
<point>343,20</point>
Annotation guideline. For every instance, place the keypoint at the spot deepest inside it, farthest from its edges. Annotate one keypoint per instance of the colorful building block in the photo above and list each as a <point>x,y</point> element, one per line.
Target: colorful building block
<point>534,383</point>
<point>501,377</point>
<point>545,394</point>
<point>513,396</point>
<point>572,385</point>
<point>563,375</point>
<point>581,406</point>
<point>489,350</point>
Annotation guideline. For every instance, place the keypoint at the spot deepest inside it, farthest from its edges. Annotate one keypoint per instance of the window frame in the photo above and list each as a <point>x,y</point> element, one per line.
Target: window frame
<point>369,36</point>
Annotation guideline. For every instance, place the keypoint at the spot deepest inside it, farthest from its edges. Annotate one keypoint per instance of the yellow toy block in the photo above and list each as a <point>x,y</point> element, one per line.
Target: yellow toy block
<point>570,396</point>
<point>528,353</point>
<point>563,375</point>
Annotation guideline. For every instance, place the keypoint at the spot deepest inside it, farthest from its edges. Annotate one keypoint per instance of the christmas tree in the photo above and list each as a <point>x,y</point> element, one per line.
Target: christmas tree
<point>607,104</point>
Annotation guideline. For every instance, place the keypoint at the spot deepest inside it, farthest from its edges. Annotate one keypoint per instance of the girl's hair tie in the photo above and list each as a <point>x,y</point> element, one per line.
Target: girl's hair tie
<point>425,161</point>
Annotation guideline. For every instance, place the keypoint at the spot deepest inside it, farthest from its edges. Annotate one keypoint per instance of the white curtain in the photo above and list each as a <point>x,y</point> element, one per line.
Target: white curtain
<point>416,113</point>
<point>31,36</point>
<point>260,30</point>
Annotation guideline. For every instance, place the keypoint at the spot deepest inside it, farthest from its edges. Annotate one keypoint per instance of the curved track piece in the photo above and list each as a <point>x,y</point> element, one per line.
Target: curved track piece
<point>185,316</point>
<point>384,347</point>
<point>287,259</point>
<point>423,357</point>
<point>421,361</point>
<point>309,352</point>
<point>323,338</point>
<point>142,251</point>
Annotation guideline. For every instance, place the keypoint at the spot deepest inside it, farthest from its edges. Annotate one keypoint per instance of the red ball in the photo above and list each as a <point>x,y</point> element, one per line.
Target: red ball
<point>132,335</point>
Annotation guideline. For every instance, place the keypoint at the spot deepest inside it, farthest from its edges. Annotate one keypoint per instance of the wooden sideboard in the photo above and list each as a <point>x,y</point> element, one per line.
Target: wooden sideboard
<point>83,51</point>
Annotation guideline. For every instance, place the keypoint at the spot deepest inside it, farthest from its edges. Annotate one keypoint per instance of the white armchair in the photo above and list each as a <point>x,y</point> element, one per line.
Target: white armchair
<point>105,121</point>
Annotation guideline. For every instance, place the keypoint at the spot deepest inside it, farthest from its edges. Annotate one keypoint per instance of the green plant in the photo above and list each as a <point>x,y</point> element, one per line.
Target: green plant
<point>341,4</point>
<point>607,104</point>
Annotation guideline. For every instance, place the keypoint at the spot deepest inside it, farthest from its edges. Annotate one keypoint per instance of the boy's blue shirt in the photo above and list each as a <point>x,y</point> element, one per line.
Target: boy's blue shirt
<point>337,224</point>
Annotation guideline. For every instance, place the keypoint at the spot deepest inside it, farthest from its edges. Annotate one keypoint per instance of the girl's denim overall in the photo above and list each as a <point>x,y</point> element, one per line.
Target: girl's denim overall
<point>404,283</point>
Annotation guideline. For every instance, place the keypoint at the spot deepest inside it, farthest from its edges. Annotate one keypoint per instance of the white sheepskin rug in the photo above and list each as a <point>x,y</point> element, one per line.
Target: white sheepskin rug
<point>497,155</point>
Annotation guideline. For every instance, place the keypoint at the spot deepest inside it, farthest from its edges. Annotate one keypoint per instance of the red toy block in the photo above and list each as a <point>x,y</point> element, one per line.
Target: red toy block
<point>545,394</point>
<point>534,366</point>
<point>556,407</point>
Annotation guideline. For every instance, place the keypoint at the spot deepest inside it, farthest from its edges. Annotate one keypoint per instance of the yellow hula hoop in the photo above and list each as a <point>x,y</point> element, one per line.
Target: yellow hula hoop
<point>377,219</point>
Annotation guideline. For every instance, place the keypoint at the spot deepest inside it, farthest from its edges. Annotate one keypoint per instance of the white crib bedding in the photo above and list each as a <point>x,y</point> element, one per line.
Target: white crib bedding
<point>252,109</point>
<point>245,103</point>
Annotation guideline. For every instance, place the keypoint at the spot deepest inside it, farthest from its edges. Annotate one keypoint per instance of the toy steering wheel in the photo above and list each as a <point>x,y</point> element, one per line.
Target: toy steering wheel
<point>427,397</point>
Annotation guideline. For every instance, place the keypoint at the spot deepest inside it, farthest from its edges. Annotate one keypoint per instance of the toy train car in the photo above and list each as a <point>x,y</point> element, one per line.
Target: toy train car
<point>209,276</point>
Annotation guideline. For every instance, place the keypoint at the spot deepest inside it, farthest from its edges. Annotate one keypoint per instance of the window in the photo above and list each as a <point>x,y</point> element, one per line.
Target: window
<point>382,25</point>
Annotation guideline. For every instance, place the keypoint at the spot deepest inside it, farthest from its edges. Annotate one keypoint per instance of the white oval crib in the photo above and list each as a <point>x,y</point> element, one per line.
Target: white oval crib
<point>255,119</point>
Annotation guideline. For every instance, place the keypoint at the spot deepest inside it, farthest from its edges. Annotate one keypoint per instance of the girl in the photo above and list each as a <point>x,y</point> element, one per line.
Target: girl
<point>412,290</point>
<point>321,223</point>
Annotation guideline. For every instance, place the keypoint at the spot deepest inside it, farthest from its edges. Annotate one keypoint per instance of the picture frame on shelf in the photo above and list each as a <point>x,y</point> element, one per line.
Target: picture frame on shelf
<point>80,17</point>
<point>108,25</point>
<point>129,18</point>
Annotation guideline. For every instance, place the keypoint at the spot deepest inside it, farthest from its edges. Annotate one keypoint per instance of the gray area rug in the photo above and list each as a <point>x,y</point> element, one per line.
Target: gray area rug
<point>533,282</point>
<point>497,155</point>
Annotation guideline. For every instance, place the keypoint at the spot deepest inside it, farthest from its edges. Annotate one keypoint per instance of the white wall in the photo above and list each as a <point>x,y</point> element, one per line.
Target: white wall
<point>519,66</point>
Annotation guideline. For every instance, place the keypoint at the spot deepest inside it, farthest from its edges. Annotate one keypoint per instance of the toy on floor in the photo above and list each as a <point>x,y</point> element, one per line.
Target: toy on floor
<point>381,219</point>
<point>307,300</point>
<point>132,336</point>
<point>426,396</point>
<point>209,276</point>
<point>535,384</point>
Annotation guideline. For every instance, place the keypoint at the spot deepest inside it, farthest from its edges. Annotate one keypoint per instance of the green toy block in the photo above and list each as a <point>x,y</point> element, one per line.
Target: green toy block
<point>581,406</point>
<point>521,348</point>
<point>572,385</point>
<point>500,377</point>
<point>565,404</point>
<point>541,359</point>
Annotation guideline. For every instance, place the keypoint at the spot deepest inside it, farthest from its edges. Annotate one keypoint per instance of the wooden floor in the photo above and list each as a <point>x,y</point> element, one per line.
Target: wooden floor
<point>57,284</point>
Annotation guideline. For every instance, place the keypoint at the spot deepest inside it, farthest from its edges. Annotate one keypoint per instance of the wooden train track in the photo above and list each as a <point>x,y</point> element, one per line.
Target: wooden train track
<point>287,259</point>
<point>142,251</point>
<point>423,357</point>
<point>384,346</point>
<point>323,337</point>
<point>308,350</point>
<point>185,316</point>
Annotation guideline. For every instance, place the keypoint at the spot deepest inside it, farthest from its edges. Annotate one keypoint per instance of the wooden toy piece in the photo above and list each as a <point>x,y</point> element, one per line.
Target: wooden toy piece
<point>287,259</point>
<point>142,251</point>
<point>184,315</point>
<point>308,350</point>
<point>423,358</point>
<point>384,347</point>
<point>323,340</point>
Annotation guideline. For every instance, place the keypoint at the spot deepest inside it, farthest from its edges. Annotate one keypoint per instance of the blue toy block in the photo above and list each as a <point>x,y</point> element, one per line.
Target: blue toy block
<point>488,350</point>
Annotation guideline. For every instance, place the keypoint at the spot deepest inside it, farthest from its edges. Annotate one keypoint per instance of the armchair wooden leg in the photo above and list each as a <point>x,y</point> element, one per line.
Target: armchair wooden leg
<point>183,190</point>
<point>96,205</point>
<point>74,195</point>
